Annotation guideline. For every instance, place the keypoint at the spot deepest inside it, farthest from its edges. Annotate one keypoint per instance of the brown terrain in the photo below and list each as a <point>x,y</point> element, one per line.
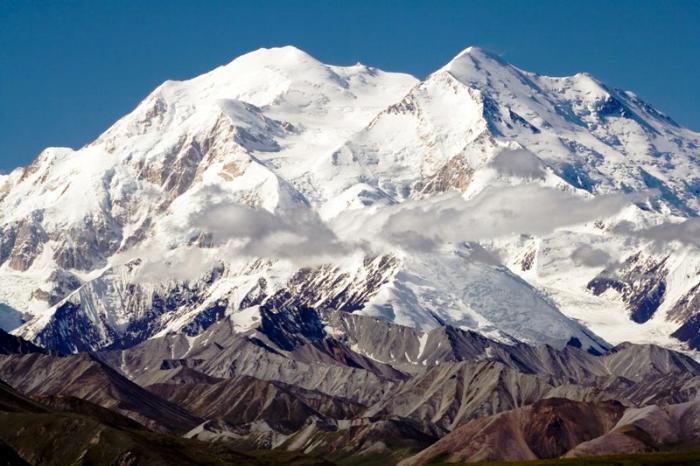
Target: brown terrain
<point>292,389</point>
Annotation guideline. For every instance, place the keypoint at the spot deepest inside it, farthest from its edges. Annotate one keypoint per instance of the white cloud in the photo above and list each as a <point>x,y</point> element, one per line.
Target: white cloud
<point>297,234</point>
<point>588,256</point>
<point>495,212</point>
<point>519,163</point>
<point>686,232</point>
<point>300,236</point>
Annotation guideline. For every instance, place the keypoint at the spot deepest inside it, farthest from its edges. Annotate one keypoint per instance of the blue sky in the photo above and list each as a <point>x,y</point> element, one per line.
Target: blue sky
<point>68,69</point>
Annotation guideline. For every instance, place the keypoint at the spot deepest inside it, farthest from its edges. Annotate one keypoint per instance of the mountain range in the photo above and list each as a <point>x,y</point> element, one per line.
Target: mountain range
<point>338,263</point>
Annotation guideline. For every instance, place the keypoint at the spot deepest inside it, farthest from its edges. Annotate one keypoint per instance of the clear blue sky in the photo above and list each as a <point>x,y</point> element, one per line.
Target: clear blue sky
<point>68,69</point>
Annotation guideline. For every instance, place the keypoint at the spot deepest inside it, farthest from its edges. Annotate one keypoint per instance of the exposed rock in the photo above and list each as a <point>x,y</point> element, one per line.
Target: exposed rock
<point>242,400</point>
<point>73,431</point>
<point>448,395</point>
<point>367,440</point>
<point>10,344</point>
<point>546,429</point>
<point>86,377</point>
<point>328,287</point>
<point>641,282</point>
<point>62,284</point>
<point>22,242</point>
<point>87,247</point>
<point>455,174</point>
<point>690,332</point>
<point>686,307</point>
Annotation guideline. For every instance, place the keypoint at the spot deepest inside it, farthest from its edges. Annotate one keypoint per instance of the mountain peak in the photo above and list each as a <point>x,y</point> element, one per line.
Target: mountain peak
<point>284,51</point>
<point>278,131</point>
<point>284,56</point>
<point>473,65</point>
<point>473,50</point>
<point>476,53</point>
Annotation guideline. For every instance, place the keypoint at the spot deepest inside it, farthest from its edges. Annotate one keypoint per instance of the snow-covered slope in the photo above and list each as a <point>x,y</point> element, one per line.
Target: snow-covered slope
<point>524,207</point>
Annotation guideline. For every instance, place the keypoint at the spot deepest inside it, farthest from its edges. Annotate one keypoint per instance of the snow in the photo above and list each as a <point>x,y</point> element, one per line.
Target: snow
<point>460,288</point>
<point>422,341</point>
<point>246,319</point>
<point>338,150</point>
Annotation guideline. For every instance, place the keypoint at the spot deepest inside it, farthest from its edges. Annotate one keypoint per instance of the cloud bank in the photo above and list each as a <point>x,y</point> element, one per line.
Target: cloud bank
<point>686,232</point>
<point>494,213</point>
<point>292,234</point>
<point>300,236</point>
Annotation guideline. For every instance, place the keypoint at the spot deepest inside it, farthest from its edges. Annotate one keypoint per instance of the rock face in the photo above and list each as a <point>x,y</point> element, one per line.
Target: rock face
<point>310,387</point>
<point>687,311</point>
<point>10,344</point>
<point>85,377</point>
<point>70,430</point>
<point>461,377</point>
<point>243,400</point>
<point>347,387</point>
<point>546,429</point>
<point>280,179</point>
<point>641,284</point>
<point>559,427</point>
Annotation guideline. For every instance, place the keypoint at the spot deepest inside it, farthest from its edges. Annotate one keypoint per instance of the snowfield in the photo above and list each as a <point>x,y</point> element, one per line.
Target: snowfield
<point>539,209</point>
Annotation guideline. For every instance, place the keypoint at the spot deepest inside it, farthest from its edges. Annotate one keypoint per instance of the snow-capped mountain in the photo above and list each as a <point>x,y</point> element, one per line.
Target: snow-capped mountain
<point>524,207</point>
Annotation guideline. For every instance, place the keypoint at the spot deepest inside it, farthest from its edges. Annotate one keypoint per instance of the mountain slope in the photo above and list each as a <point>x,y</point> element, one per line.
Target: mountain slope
<point>85,377</point>
<point>558,427</point>
<point>352,388</point>
<point>78,433</point>
<point>524,207</point>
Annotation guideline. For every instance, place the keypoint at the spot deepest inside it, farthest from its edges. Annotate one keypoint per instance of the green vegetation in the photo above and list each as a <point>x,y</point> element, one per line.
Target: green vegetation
<point>672,458</point>
<point>73,439</point>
